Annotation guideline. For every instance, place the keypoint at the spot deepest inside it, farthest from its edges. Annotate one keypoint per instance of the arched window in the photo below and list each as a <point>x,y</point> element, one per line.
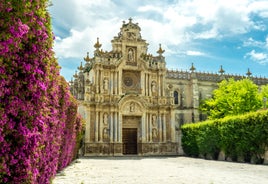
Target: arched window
<point>176,98</point>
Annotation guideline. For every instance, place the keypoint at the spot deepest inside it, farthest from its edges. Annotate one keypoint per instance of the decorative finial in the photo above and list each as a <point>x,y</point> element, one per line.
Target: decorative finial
<point>160,50</point>
<point>75,75</point>
<point>248,73</point>
<point>80,67</point>
<point>192,68</point>
<point>87,59</point>
<point>97,45</point>
<point>221,71</point>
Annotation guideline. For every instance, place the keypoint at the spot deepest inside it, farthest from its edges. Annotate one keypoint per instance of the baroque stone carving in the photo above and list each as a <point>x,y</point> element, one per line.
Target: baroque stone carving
<point>132,107</point>
<point>131,55</point>
<point>155,134</point>
<point>105,118</point>
<point>154,120</point>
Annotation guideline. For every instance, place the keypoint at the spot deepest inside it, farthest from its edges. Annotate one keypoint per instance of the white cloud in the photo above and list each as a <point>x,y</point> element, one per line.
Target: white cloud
<point>177,25</point>
<point>181,22</point>
<point>250,42</point>
<point>259,7</point>
<point>259,57</point>
<point>194,53</point>
<point>147,8</point>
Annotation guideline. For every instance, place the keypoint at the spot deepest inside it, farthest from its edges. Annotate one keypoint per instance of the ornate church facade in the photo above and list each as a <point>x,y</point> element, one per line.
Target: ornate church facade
<point>132,103</point>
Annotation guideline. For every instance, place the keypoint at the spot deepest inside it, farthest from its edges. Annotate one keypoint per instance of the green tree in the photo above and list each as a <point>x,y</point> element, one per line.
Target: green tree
<point>264,95</point>
<point>232,98</point>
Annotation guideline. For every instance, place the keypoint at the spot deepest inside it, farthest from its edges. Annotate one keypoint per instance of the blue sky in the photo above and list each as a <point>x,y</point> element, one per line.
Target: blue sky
<point>208,33</point>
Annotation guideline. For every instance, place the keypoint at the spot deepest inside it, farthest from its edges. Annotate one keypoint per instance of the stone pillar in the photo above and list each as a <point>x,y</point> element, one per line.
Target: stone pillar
<point>117,83</point>
<point>172,125</point>
<point>149,86</point>
<point>160,127</point>
<point>87,132</point>
<point>143,131</point>
<point>150,128</point>
<point>97,127</point>
<point>119,134</point>
<point>147,128</point>
<point>164,128</point>
<point>163,85</point>
<point>145,84</point>
<point>111,127</point>
<point>97,81</point>
<point>101,126</point>
<point>115,127</point>
<point>159,84</point>
<point>112,83</point>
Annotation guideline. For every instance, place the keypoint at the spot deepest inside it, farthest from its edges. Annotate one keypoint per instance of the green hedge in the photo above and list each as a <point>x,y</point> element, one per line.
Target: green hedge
<point>243,136</point>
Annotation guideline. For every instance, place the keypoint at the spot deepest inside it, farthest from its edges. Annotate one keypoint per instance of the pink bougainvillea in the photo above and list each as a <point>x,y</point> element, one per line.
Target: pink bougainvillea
<point>39,123</point>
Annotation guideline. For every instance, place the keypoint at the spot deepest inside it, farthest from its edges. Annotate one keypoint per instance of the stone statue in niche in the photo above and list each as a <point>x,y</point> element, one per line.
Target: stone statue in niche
<point>105,134</point>
<point>154,134</point>
<point>105,84</point>
<point>132,107</point>
<point>105,118</point>
<point>130,55</point>
<point>153,87</point>
<point>154,120</point>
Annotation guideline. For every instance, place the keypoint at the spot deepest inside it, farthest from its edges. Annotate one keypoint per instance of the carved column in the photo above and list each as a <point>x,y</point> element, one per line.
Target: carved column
<point>160,127</point>
<point>143,131</point>
<point>101,126</point>
<point>97,81</point>
<point>147,128</point>
<point>87,132</point>
<point>117,83</point>
<point>112,83</point>
<point>164,128</point>
<point>150,127</point>
<point>159,84</point>
<point>97,127</point>
<point>111,126</point>
<point>119,134</point>
<point>162,85</point>
<point>115,127</point>
<point>149,86</point>
<point>146,86</point>
<point>172,125</point>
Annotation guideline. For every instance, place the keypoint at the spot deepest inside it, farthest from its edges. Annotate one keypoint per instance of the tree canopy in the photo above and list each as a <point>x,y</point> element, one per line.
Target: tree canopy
<point>232,98</point>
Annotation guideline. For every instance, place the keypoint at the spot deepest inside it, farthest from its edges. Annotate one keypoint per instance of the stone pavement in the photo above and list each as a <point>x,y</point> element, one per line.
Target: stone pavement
<point>160,170</point>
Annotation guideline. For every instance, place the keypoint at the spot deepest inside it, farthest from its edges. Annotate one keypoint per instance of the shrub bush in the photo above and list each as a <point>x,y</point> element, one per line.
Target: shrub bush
<point>243,136</point>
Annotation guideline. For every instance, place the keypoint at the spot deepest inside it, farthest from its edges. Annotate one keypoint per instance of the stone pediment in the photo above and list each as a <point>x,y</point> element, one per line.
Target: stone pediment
<point>132,105</point>
<point>132,108</point>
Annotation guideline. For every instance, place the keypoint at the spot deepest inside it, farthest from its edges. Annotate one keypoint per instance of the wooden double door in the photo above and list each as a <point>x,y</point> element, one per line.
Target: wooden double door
<point>130,141</point>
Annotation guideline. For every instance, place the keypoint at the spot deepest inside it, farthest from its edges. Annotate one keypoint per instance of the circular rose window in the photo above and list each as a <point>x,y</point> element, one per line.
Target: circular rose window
<point>128,81</point>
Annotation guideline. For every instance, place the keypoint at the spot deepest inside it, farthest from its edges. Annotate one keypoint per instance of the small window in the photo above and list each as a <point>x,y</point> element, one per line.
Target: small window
<point>176,99</point>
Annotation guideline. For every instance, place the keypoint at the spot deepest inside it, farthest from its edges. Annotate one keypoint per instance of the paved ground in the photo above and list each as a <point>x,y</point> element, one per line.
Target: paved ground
<point>160,170</point>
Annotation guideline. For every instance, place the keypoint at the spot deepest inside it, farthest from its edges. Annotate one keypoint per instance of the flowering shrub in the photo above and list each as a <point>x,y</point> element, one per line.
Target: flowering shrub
<point>39,124</point>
